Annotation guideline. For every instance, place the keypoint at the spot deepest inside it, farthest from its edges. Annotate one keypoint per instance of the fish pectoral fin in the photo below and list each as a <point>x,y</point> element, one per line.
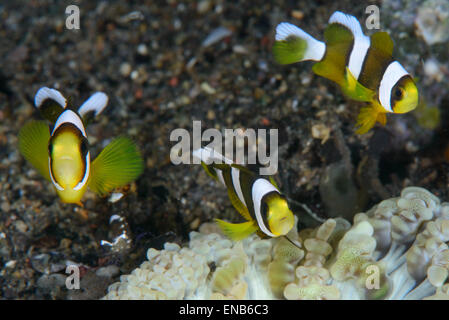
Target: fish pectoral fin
<point>354,89</point>
<point>237,231</point>
<point>33,145</point>
<point>367,118</point>
<point>117,165</point>
<point>382,42</point>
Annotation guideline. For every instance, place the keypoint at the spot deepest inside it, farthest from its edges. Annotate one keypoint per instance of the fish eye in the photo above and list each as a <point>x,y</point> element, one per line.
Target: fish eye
<point>50,148</point>
<point>398,93</point>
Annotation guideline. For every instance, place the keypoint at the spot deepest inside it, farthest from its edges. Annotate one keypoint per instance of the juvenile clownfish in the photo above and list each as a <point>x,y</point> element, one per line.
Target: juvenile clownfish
<point>362,66</point>
<point>256,198</point>
<point>63,156</point>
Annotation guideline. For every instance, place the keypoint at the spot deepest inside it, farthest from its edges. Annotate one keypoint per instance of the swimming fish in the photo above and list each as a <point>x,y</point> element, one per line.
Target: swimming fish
<point>256,198</point>
<point>61,155</point>
<point>362,66</point>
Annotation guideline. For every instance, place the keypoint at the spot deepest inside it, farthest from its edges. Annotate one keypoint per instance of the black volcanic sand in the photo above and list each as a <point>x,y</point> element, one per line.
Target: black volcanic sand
<point>150,59</point>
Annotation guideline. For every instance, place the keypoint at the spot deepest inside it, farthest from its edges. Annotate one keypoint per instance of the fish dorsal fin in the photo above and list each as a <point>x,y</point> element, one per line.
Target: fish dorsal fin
<point>348,21</point>
<point>382,42</point>
<point>338,40</point>
<point>237,231</point>
<point>50,102</point>
<point>33,144</point>
<point>118,164</point>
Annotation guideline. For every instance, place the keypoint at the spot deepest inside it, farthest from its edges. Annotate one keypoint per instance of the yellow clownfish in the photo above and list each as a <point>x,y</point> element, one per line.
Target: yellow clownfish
<point>63,156</point>
<point>362,66</point>
<point>256,198</point>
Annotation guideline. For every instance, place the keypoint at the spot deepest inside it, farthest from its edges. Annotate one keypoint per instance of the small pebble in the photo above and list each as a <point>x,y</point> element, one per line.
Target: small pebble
<point>51,281</point>
<point>321,131</point>
<point>125,69</point>
<point>210,115</point>
<point>216,35</point>
<point>204,6</point>
<point>297,14</point>
<point>142,49</point>
<point>205,87</point>
<point>40,262</point>
<point>115,196</point>
<point>195,224</point>
<point>134,75</point>
<point>239,49</point>
<point>21,226</point>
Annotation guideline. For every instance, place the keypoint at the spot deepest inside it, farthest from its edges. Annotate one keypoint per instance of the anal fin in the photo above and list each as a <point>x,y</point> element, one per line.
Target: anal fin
<point>367,118</point>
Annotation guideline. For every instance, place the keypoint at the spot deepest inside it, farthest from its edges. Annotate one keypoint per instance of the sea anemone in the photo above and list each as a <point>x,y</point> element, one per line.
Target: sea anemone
<point>396,250</point>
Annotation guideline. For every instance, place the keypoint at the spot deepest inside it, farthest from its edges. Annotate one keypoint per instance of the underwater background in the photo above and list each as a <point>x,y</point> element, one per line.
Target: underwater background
<point>163,65</point>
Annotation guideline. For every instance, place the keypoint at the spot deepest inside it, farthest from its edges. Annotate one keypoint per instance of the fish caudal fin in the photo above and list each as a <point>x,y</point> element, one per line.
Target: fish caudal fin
<point>293,45</point>
<point>117,165</point>
<point>33,145</point>
<point>367,118</point>
<point>237,231</point>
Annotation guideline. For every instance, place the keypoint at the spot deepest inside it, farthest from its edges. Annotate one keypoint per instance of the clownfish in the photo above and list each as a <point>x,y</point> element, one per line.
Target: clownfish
<point>61,155</point>
<point>256,198</point>
<point>362,66</point>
